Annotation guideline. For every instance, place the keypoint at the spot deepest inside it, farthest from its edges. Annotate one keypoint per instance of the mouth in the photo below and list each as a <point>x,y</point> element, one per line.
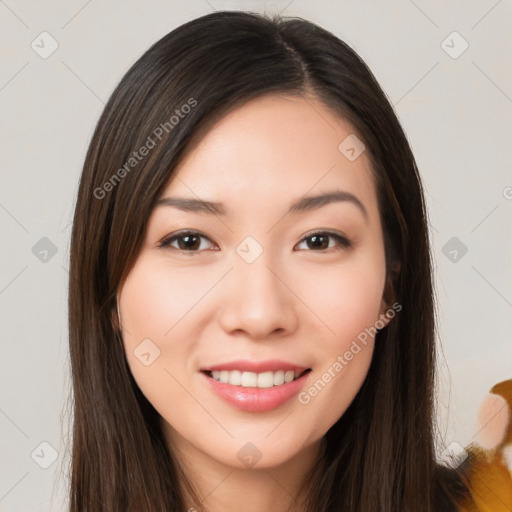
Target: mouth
<point>246,379</point>
<point>256,392</point>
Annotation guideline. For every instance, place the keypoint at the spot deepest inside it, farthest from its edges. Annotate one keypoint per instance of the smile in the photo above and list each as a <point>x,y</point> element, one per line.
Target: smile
<point>252,391</point>
<point>256,380</point>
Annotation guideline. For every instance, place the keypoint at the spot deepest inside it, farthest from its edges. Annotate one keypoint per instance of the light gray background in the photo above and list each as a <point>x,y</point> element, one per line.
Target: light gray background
<point>455,111</point>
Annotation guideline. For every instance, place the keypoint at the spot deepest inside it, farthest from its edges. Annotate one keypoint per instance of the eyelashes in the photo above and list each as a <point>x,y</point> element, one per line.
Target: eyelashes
<point>190,242</point>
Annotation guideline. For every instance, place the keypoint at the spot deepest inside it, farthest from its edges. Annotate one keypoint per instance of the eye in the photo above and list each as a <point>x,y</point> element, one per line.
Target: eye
<point>188,241</point>
<point>318,241</point>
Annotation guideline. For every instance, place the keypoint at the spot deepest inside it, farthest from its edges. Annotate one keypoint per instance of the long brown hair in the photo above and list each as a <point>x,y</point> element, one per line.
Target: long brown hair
<point>380,455</point>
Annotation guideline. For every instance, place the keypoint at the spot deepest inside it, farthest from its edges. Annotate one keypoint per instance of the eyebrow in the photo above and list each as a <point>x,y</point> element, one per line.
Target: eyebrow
<point>305,203</point>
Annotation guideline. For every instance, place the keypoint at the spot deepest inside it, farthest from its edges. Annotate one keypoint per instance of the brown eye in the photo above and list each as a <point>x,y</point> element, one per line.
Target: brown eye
<point>187,241</point>
<point>319,242</point>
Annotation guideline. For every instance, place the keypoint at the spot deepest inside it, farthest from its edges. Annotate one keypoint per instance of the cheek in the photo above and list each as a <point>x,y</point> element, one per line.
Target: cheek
<point>347,300</point>
<point>156,308</point>
<point>348,303</point>
<point>155,299</point>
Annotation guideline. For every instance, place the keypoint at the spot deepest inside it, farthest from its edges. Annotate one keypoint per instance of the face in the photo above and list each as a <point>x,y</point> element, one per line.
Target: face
<point>253,291</point>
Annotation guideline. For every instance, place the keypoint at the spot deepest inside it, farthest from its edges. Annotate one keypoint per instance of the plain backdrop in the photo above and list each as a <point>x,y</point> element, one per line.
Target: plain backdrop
<point>451,91</point>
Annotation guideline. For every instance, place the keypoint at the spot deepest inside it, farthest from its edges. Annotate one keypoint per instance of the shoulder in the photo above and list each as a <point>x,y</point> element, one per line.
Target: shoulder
<point>486,464</point>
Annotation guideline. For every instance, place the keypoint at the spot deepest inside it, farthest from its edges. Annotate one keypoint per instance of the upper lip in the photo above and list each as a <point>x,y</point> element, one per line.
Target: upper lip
<point>256,366</point>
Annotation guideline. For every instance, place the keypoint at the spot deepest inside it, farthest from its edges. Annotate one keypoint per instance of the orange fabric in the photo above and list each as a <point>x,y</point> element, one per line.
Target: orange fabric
<point>490,469</point>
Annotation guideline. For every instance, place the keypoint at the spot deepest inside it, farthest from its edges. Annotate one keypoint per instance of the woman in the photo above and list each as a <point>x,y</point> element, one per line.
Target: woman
<point>251,312</point>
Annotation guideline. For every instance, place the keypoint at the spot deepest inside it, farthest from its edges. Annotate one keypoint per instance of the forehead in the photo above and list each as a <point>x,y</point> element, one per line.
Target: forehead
<point>274,149</point>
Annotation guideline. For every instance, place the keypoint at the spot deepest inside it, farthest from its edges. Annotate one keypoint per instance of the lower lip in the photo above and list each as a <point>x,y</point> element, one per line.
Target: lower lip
<point>253,399</point>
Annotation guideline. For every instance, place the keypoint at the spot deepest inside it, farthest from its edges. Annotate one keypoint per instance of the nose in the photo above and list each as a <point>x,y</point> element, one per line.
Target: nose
<point>258,301</point>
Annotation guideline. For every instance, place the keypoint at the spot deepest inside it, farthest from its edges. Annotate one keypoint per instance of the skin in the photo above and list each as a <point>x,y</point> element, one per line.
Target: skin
<point>296,302</point>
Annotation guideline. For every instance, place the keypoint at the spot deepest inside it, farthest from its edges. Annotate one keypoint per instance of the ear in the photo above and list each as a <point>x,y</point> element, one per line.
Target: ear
<point>389,297</point>
<point>384,316</point>
<point>115,319</point>
<point>116,316</point>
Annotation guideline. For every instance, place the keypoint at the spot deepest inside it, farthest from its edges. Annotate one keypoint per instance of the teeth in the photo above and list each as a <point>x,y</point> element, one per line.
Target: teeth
<point>255,380</point>
<point>249,379</point>
<point>278,378</point>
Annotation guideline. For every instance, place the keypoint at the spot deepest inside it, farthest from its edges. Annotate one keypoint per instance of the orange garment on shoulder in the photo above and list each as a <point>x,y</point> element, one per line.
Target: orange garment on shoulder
<point>489,459</point>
